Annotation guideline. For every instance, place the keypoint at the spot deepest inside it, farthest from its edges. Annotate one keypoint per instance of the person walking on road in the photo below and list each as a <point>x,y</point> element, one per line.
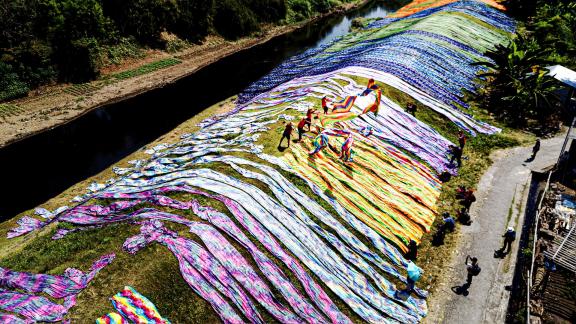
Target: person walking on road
<point>472,269</point>
<point>535,149</point>
<point>509,237</point>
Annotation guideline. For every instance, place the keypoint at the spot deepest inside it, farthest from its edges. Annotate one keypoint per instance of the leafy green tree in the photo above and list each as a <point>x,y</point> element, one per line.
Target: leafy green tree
<point>518,89</point>
<point>194,19</point>
<point>10,84</point>
<point>233,20</point>
<point>143,19</point>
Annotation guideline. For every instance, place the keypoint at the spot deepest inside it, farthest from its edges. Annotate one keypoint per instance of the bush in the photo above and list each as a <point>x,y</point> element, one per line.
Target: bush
<point>143,19</point>
<point>299,9</point>
<point>232,20</point>
<point>193,19</point>
<point>83,61</point>
<point>268,10</point>
<point>11,86</point>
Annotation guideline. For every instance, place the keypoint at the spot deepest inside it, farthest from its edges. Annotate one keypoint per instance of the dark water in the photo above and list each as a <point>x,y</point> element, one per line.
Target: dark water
<point>39,168</point>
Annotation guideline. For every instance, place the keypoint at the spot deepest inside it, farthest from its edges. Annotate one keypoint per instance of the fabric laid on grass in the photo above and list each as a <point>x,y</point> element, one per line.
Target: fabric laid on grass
<point>202,273</point>
<point>40,308</point>
<point>56,286</point>
<point>343,279</point>
<point>136,307</point>
<point>239,269</point>
<point>35,308</point>
<point>273,273</point>
<point>417,6</point>
<point>432,53</point>
<point>11,319</point>
<point>111,318</point>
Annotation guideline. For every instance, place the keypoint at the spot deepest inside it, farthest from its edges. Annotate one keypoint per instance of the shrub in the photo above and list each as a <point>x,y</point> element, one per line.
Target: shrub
<point>232,20</point>
<point>83,61</point>
<point>193,19</point>
<point>11,86</point>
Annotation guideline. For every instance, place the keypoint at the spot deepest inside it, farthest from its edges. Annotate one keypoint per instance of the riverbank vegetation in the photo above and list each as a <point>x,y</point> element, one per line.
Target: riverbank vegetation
<point>47,41</point>
<point>518,89</point>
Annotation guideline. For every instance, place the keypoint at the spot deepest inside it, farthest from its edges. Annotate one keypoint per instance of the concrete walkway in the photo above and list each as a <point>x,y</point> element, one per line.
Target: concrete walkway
<point>501,195</point>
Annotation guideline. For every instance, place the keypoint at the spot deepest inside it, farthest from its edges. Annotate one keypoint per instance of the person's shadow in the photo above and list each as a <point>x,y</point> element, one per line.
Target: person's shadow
<point>461,290</point>
<point>499,254</point>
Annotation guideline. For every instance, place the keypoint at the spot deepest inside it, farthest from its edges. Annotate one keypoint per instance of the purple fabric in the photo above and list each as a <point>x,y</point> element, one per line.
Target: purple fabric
<point>32,307</point>
<point>59,286</point>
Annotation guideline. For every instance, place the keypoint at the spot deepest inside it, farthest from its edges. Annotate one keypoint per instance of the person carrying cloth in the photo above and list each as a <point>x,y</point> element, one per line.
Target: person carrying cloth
<point>309,114</point>
<point>300,127</point>
<point>320,142</point>
<point>346,154</point>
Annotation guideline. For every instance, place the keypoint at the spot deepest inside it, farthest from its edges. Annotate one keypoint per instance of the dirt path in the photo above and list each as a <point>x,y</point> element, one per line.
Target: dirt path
<point>501,196</point>
<point>60,104</point>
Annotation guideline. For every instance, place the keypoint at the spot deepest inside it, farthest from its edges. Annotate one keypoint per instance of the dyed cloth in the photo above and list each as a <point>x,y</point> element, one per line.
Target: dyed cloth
<point>69,284</point>
<point>135,307</point>
<point>111,318</point>
<point>40,308</point>
<point>422,52</point>
<point>386,198</point>
<point>36,308</point>
<point>11,319</point>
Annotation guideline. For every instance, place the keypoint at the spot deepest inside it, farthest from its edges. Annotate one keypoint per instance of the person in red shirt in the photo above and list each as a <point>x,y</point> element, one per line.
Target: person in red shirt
<point>325,101</point>
<point>301,130</point>
<point>286,134</point>
<point>309,117</point>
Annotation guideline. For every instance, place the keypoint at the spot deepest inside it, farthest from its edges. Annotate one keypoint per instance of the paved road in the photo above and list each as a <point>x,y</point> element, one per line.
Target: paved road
<point>500,201</point>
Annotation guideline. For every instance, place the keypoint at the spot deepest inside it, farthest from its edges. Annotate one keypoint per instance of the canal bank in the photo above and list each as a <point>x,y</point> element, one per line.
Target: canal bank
<point>54,160</point>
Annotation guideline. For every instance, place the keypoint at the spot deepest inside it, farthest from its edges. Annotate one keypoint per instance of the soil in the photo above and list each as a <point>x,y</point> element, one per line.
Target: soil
<point>50,106</point>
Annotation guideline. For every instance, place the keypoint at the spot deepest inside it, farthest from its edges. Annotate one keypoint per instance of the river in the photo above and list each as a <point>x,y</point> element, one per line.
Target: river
<point>42,166</point>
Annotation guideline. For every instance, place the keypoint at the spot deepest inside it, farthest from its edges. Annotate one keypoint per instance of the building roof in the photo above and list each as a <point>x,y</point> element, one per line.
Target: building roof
<point>563,74</point>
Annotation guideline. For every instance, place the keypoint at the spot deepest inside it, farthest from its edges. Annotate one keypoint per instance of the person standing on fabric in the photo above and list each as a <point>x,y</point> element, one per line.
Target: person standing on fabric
<point>411,109</point>
<point>309,114</point>
<point>472,269</point>
<point>413,274</point>
<point>509,237</point>
<point>325,101</point>
<point>461,139</point>
<point>286,134</point>
<point>535,149</point>
<point>300,127</point>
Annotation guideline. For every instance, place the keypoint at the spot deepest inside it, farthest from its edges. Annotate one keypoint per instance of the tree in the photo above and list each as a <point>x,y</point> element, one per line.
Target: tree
<point>232,20</point>
<point>518,89</point>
